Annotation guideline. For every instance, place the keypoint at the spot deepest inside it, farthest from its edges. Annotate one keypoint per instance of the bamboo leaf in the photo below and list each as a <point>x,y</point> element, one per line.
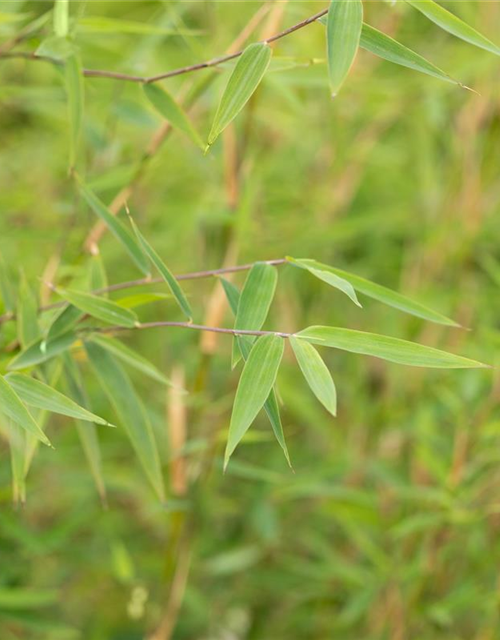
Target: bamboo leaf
<point>116,227</point>
<point>42,350</point>
<point>130,357</point>
<point>387,296</point>
<point>385,347</point>
<point>40,395</point>
<point>343,30</point>
<point>244,80</point>
<point>163,102</point>
<point>316,373</point>
<point>61,18</point>
<point>130,412</point>
<point>452,24</point>
<point>100,308</point>
<point>74,91</point>
<point>141,299</point>
<point>164,271</point>
<point>97,275</point>
<point>12,407</point>
<point>27,315</point>
<point>326,274</point>
<point>65,320</point>
<point>256,382</point>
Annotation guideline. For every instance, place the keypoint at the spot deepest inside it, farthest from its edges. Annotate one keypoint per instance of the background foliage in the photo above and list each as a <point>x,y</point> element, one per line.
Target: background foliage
<point>389,526</point>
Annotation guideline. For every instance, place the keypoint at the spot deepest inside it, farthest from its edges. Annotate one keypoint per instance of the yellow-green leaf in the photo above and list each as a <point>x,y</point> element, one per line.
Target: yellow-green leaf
<point>343,30</point>
<point>61,18</point>
<point>323,272</point>
<point>12,407</point>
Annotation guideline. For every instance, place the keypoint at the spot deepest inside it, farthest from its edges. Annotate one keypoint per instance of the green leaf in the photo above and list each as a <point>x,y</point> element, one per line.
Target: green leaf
<point>130,357</point>
<point>244,80</point>
<point>387,48</point>
<point>387,296</point>
<point>74,91</point>
<point>12,407</point>
<point>385,347</point>
<point>27,315</point>
<point>17,446</point>
<point>65,320</point>
<point>164,271</point>
<point>140,299</point>
<point>316,373</point>
<point>343,30</point>
<point>42,350</point>
<point>323,272</point>
<point>61,18</point>
<point>129,410</point>
<point>97,275</point>
<point>40,395</point>
<point>16,598</point>
<point>100,308</point>
<point>232,294</point>
<point>256,382</point>
<point>171,111</point>
<point>116,227</point>
<point>56,47</point>
<point>452,24</point>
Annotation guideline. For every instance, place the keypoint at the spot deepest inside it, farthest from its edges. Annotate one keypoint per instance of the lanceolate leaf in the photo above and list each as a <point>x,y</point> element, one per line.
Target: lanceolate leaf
<point>40,395</point>
<point>326,274</point>
<point>100,308</point>
<point>130,357</point>
<point>387,296</point>
<point>316,373</point>
<point>164,271</point>
<point>12,407</point>
<point>256,382</point>
<point>451,23</point>
<point>64,321</point>
<point>116,227</point>
<point>385,347</point>
<point>171,111</point>
<point>343,30</point>
<point>74,91</point>
<point>42,350</point>
<point>244,80</point>
<point>130,411</point>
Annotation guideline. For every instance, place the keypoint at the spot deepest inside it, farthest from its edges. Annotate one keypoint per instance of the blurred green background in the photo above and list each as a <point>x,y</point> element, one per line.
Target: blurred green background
<point>389,526</point>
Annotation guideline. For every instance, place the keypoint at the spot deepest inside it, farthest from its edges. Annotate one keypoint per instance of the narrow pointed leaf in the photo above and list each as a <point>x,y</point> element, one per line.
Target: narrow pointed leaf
<point>343,30</point>
<point>141,299</point>
<point>97,275</point>
<point>232,294</point>
<point>164,271</point>
<point>256,382</point>
<point>385,347</point>
<point>452,24</point>
<point>74,91</point>
<point>12,407</point>
<point>326,274</point>
<point>244,80</point>
<point>130,411</point>
<point>42,350</point>
<point>61,18</point>
<point>316,373</point>
<point>40,395</point>
<point>116,227</point>
<point>100,308</point>
<point>163,102</point>
<point>130,357</point>
<point>64,321</point>
<point>27,315</point>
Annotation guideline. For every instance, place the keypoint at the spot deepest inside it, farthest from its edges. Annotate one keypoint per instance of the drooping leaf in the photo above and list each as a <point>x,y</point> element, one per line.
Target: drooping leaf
<point>326,274</point>
<point>256,382</point>
<point>130,357</point>
<point>385,347</point>
<point>42,350</point>
<point>316,373</point>
<point>116,227</point>
<point>452,24</point>
<point>164,271</point>
<point>74,91</point>
<point>130,411</point>
<point>163,102</point>
<point>61,18</point>
<point>387,296</point>
<point>27,315</point>
<point>12,407</point>
<point>40,395</point>
<point>100,308</point>
<point>343,30</point>
<point>244,80</point>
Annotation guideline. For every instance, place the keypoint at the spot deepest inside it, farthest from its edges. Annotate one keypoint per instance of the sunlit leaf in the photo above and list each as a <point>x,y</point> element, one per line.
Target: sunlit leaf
<point>244,80</point>
<point>343,30</point>
<point>316,373</point>
<point>100,308</point>
<point>326,274</point>
<point>61,18</point>
<point>141,299</point>
<point>385,347</point>
<point>256,382</point>
<point>12,407</point>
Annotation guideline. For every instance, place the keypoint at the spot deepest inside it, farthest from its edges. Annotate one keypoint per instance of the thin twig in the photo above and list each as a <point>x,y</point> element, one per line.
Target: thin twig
<point>115,75</point>
<point>186,325</point>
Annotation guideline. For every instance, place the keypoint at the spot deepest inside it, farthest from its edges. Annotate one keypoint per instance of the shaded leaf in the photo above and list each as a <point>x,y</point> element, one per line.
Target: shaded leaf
<point>325,273</point>
<point>385,347</point>
<point>100,308</point>
<point>42,350</point>
<point>244,80</point>
<point>65,320</point>
<point>12,407</point>
<point>256,382</point>
<point>343,30</point>
<point>316,373</point>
